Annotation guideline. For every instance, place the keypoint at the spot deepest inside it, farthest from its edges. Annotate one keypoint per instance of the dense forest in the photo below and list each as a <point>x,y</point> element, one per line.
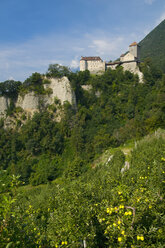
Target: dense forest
<point>54,194</point>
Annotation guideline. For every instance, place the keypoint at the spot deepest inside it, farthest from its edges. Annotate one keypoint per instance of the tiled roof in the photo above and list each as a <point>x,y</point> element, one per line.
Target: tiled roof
<point>113,63</point>
<point>90,58</point>
<point>133,44</point>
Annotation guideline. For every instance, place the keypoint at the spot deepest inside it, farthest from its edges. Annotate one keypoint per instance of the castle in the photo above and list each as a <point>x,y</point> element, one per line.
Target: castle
<point>129,61</point>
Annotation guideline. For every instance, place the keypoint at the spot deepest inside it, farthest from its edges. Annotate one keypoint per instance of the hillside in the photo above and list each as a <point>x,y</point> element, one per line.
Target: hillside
<point>153,46</point>
<point>114,111</point>
<point>90,179</point>
<point>104,207</point>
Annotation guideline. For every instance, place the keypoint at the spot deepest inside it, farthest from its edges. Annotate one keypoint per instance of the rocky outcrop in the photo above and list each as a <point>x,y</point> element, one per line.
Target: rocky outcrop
<point>87,87</point>
<point>4,104</point>
<point>30,103</point>
<point>61,89</point>
<point>132,67</point>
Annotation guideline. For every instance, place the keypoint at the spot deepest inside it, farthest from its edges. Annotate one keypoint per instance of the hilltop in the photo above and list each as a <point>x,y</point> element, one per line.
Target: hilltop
<point>153,46</point>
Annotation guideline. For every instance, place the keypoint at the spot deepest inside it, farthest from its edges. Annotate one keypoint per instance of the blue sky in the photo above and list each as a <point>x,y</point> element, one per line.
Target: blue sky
<point>36,33</point>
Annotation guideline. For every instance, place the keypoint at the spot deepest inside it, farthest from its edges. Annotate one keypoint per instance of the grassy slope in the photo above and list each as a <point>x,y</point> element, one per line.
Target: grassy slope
<point>103,159</point>
<point>126,149</point>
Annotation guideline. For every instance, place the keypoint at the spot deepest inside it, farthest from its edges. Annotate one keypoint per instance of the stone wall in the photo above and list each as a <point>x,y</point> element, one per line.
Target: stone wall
<point>83,65</point>
<point>95,66</point>
<point>127,57</point>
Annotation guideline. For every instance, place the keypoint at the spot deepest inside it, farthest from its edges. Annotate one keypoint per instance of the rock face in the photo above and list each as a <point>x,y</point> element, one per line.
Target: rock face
<point>4,104</point>
<point>31,102</point>
<point>132,67</point>
<point>61,89</point>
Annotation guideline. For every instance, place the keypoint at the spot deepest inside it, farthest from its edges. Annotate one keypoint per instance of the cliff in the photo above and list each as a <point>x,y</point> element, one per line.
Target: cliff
<point>29,103</point>
<point>4,104</point>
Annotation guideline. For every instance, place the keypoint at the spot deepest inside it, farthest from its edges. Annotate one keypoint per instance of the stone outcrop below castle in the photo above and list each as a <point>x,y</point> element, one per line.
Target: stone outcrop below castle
<point>133,68</point>
<point>31,102</point>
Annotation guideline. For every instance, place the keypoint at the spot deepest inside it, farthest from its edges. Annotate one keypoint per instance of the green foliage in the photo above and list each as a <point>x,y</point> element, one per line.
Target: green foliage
<point>117,163</point>
<point>152,46</point>
<point>102,206</point>
<point>75,168</point>
<point>10,88</point>
<point>96,207</point>
<point>33,83</point>
<point>57,71</point>
<point>46,169</point>
<point>117,109</point>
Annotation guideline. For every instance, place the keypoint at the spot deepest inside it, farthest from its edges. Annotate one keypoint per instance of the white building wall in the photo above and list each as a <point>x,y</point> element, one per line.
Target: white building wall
<point>95,66</point>
<point>127,57</point>
<point>83,65</point>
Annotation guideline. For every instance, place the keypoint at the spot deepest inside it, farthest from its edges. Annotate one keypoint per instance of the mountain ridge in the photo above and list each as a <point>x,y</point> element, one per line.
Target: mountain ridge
<point>153,46</point>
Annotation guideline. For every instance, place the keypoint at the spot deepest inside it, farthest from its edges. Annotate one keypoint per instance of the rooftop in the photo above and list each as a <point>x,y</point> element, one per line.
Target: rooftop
<point>91,58</point>
<point>134,44</point>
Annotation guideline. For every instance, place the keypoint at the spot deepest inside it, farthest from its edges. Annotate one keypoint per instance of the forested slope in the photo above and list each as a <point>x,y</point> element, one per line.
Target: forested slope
<point>117,109</point>
<point>80,202</point>
<point>153,46</point>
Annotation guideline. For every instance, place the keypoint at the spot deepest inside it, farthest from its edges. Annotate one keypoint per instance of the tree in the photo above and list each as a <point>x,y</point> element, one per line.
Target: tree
<point>59,71</point>
<point>10,88</point>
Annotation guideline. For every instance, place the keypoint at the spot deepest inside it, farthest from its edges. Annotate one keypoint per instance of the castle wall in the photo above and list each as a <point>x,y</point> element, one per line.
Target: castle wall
<point>129,66</point>
<point>127,57</point>
<point>135,51</point>
<point>95,66</point>
<point>83,65</point>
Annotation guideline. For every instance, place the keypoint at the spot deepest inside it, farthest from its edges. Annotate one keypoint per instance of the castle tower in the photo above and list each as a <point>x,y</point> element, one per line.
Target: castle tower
<point>134,49</point>
<point>83,64</point>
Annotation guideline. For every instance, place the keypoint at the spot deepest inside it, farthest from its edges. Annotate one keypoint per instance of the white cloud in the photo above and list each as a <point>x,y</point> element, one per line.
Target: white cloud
<point>149,1</point>
<point>107,46</point>
<point>19,61</point>
<point>74,63</point>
